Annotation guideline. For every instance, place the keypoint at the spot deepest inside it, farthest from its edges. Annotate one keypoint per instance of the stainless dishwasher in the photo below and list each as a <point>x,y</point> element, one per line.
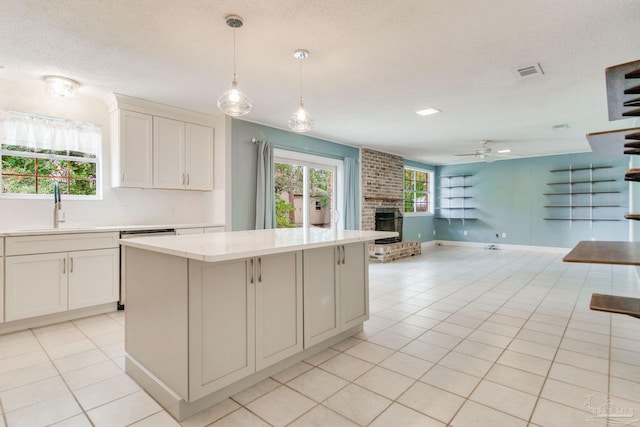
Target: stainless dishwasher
<point>130,234</point>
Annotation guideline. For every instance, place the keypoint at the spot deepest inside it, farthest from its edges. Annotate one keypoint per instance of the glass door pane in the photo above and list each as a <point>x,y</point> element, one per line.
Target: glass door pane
<point>289,185</point>
<point>321,195</point>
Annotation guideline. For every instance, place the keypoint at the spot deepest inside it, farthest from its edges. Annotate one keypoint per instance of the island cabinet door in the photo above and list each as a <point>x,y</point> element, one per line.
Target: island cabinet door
<point>221,325</point>
<point>321,294</point>
<point>278,280</point>
<point>354,284</point>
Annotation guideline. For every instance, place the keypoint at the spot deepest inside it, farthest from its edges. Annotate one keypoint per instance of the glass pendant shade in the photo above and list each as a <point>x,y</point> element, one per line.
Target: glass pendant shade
<point>301,121</point>
<point>233,102</point>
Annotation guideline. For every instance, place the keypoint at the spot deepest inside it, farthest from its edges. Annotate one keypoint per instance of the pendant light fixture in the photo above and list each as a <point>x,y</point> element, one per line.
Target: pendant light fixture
<point>234,102</point>
<point>301,120</point>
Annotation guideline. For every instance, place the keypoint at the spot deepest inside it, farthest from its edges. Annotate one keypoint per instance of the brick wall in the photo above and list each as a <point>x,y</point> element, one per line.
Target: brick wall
<point>382,184</point>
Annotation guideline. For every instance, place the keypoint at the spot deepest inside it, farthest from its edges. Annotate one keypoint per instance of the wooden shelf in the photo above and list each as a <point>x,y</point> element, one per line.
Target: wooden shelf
<point>581,192</point>
<point>455,192</point>
<point>635,217</point>
<point>615,304</point>
<point>620,86</point>
<point>583,219</point>
<point>587,168</point>
<point>583,206</point>
<point>581,182</point>
<point>604,252</point>
<point>611,143</point>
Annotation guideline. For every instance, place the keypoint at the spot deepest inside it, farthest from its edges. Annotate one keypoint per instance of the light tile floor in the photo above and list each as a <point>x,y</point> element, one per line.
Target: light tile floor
<point>457,336</point>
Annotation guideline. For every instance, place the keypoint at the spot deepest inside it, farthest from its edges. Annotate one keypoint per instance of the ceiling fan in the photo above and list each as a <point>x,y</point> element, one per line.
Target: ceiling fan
<point>486,153</point>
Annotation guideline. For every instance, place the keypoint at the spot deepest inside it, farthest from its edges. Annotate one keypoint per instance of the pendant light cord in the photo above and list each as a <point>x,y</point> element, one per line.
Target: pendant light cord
<point>234,54</point>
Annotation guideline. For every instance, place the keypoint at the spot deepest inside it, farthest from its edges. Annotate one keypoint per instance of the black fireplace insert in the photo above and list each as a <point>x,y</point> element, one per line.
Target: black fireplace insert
<point>389,219</point>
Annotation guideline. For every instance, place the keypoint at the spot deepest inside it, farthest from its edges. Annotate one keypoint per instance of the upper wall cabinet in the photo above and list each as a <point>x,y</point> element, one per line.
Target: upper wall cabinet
<point>182,155</point>
<point>132,149</point>
<point>157,146</point>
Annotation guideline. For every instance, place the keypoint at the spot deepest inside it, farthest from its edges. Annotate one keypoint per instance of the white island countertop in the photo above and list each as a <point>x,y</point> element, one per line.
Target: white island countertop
<point>232,245</point>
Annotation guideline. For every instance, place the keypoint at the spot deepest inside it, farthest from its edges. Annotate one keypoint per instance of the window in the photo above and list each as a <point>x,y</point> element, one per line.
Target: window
<point>306,190</point>
<point>418,190</point>
<point>36,151</point>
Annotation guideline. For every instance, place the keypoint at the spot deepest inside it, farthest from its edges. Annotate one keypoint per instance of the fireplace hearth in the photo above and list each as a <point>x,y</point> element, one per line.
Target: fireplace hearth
<point>389,219</point>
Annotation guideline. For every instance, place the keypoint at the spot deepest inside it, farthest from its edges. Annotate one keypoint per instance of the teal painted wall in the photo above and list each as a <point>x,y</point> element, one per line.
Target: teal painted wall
<point>244,155</point>
<point>509,198</point>
<point>418,227</point>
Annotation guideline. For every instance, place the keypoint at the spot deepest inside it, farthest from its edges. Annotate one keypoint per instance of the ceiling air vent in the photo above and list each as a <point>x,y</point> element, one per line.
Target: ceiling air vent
<point>529,71</point>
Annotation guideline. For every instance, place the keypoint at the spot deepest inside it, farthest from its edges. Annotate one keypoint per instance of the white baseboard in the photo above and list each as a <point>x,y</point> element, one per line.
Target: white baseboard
<point>499,246</point>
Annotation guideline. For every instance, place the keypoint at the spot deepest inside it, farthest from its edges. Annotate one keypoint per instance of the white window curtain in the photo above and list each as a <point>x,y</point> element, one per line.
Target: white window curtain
<point>49,133</point>
<point>265,205</point>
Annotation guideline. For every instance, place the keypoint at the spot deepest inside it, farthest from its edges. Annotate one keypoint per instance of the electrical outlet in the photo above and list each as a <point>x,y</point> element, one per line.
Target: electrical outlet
<point>434,232</point>
<point>465,232</point>
<point>504,235</point>
<point>419,235</point>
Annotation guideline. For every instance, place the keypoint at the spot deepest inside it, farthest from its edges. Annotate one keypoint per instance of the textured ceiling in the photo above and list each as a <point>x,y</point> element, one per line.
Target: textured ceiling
<point>372,63</point>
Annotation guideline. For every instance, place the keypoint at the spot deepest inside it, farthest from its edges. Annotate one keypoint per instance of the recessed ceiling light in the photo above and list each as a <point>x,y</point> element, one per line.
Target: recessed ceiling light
<point>505,151</point>
<point>560,126</point>
<point>427,111</point>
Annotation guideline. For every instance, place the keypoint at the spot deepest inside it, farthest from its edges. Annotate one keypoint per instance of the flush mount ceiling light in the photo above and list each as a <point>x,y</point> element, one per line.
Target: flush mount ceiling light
<point>301,120</point>
<point>60,87</point>
<point>427,112</point>
<point>234,102</point>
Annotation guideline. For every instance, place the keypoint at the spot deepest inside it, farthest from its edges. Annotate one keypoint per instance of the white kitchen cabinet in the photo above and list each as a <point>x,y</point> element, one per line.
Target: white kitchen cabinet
<point>354,288</point>
<point>244,315</point>
<point>168,153</point>
<point>199,157</point>
<point>47,274</point>
<point>132,149</point>
<point>321,294</point>
<point>93,277</point>
<point>160,146</point>
<point>221,325</point>
<point>35,285</point>
<point>336,290</point>
<point>279,328</point>
<point>182,155</point>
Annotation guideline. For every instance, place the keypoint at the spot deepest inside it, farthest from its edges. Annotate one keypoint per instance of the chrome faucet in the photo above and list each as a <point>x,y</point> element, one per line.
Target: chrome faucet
<point>58,213</point>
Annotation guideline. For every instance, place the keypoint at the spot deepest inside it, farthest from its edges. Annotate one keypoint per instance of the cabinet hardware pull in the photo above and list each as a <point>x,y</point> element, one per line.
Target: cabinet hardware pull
<point>251,279</point>
<point>259,270</point>
<point>187,179</point>
<point>339,256</point>
<point>64,265</point>
<point>71,265</point>
<point>344,255</point>
<point>182,179</point>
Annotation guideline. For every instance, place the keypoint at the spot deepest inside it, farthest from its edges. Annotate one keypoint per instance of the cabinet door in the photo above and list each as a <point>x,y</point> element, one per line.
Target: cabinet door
<point>221,325</point>
<point>278,281</point>
<point>136,161</point>
<point>321,295</point>
<point>93,277</point>
<point>168,153</point>
<point>354,285</point>
<point>35,285</point>
<point>199,157</point>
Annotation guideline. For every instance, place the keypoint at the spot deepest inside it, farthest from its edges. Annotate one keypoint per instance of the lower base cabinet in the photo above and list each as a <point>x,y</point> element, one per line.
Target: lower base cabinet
<point>244,316</point>
<point>47,274</point>
<point>336,291</point>
<point>35,285</point>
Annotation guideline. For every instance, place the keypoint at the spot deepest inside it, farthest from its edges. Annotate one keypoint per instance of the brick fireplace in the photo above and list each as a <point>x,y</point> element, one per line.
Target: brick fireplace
<point>383,190</point>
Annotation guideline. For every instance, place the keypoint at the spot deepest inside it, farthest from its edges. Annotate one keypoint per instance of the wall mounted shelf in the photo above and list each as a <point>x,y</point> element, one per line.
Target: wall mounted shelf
<point>580,197</point>
<point>455,187</point>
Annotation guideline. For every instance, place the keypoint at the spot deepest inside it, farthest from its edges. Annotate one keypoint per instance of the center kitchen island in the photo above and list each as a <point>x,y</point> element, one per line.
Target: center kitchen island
<point>210,315</point>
